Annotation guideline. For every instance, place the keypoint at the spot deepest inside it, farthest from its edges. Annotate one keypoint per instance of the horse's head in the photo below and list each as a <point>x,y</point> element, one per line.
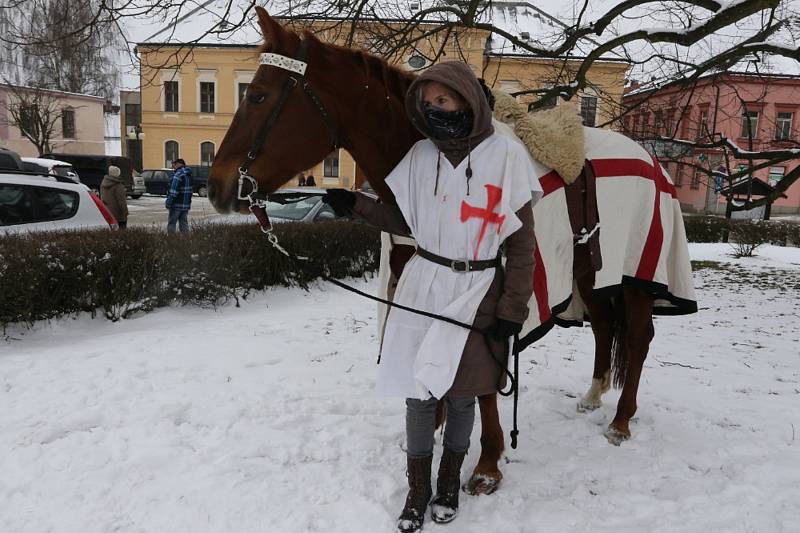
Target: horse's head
<point>297,137</point>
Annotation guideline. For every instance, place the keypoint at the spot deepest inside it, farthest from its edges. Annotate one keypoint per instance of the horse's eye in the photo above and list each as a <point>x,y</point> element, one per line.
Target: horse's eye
<point>256,98</point>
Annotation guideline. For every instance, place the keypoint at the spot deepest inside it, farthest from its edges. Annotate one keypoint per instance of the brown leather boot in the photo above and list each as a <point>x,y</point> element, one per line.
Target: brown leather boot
<point>419,494</point>
<point>444,506</point>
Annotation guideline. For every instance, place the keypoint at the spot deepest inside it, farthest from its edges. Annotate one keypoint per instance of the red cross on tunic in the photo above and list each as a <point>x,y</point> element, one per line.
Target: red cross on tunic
<point>494,194</point>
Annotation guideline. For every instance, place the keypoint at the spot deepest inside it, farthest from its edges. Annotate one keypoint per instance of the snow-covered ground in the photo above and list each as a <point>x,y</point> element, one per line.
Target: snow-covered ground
<point>262,419</point>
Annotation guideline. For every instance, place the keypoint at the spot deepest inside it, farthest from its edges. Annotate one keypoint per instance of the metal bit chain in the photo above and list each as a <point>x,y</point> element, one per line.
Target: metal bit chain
<point>273,240</point>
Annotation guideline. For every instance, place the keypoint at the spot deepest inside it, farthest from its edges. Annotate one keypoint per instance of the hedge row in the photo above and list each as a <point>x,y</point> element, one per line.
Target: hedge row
<point>48,275</point>
<point>716,229</point>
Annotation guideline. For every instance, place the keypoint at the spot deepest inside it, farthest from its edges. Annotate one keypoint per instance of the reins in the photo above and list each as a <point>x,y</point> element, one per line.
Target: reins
<point>257,206</point>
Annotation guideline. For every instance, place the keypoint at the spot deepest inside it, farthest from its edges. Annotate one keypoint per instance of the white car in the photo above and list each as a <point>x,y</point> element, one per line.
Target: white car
<point>42,203</point>
<point>52,167</point>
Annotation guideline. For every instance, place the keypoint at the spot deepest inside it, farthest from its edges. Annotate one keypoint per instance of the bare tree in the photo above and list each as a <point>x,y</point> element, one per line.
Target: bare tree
<point>666,42</point>
<point>62,45</point>
<point>37,113</point>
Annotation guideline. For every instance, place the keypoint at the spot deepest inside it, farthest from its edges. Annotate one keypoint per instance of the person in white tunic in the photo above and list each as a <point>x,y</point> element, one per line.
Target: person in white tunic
<point>461,192</point>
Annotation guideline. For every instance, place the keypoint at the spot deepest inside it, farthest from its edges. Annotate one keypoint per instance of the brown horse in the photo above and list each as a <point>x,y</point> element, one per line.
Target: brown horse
<point>354,100</point>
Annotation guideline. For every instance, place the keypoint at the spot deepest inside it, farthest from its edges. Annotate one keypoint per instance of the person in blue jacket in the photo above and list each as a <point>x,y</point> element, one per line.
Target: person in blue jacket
<point>179,197</point>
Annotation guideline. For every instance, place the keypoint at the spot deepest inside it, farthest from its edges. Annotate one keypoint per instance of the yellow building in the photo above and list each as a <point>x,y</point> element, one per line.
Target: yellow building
<point>187,110</point>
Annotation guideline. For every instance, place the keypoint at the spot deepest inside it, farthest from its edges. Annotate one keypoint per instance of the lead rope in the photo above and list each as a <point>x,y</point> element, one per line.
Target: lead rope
<point>259,210</point>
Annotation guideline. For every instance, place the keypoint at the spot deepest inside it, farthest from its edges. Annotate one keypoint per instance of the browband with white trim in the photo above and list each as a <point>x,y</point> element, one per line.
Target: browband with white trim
<point>287,63</point>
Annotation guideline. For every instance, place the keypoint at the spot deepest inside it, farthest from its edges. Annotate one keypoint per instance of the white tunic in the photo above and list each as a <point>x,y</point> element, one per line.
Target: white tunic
<point>420,356</point>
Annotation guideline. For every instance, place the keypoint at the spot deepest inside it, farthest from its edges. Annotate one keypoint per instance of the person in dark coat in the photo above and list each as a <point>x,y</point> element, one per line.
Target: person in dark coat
<point>441,188</point>
<point>310,181</point>
<point>301,181</point>
<point>113,195</point>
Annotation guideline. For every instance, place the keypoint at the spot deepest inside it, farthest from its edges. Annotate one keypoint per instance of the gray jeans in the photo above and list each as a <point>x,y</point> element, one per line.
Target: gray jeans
<point>421,424</point>
<point>178,217</point>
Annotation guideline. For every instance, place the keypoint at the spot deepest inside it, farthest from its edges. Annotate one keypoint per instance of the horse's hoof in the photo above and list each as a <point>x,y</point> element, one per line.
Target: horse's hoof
<point>482,484</point>
<point>585,406</point>
<point>616,436</point>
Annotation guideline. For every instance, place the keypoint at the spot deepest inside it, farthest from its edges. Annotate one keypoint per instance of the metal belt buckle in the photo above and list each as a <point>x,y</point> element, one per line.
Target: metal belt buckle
<point>455,264</point>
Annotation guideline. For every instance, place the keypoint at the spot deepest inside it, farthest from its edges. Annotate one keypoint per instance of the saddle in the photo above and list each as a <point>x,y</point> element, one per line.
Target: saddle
<point>581,197</point>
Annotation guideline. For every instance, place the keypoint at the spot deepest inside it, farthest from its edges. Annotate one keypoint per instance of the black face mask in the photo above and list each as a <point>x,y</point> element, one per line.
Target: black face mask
<point>448,124</point>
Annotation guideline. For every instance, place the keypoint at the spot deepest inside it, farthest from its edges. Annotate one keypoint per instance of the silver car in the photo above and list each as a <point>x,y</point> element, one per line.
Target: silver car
<point>303,204</point>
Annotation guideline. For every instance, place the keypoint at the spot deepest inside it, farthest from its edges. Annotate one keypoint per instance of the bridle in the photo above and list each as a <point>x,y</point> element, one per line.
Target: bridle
<point>296,67</point>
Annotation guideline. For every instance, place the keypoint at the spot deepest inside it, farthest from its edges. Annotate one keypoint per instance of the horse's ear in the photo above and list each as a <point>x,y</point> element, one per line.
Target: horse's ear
<point>270,29</point>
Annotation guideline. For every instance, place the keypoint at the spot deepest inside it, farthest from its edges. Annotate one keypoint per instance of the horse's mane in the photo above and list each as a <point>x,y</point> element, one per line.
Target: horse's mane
<point>395,80</point>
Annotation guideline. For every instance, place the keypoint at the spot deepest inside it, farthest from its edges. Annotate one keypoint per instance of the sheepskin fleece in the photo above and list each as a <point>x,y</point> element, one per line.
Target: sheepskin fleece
<point>554,137</point>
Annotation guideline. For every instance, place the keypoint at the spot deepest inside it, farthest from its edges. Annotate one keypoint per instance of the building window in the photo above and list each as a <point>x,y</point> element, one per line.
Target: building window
<point>776,174</point>
<point>242,89</point>
<point>27,120</point>
<point>589,110</point>
<point>170,152</point>
<point>171,96</point>
<point>679,175</point>
<point>658,125</point>
<point>702,124</point>
<point>783,126</point>
<point>68,123</point>
<point>696,179</point>
<point>330,167</point>
<point>133,114</point>
<point>206,96</point>
<point>510,86</point>
<point>206,154</point>
<point>750,124</point>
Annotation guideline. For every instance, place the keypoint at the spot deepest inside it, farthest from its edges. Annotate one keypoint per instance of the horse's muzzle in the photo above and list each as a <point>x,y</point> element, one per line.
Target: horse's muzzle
<point>222,203</point>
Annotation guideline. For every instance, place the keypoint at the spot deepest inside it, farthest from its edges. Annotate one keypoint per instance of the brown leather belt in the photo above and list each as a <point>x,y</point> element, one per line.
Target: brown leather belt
<point>459,266</point>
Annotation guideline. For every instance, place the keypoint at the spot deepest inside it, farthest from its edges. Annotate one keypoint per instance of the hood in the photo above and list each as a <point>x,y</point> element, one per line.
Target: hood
<point>109,181</point>
<point>459,77</point>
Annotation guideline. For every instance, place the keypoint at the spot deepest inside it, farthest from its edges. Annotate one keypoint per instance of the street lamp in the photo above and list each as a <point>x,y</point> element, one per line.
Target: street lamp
<point>135,133</point>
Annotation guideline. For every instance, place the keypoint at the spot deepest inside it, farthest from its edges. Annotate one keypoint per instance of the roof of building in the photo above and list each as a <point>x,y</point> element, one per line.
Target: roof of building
<point>759,188</point>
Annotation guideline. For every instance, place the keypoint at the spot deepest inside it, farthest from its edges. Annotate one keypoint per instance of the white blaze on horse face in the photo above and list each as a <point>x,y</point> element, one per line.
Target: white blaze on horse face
<point>593,397</point>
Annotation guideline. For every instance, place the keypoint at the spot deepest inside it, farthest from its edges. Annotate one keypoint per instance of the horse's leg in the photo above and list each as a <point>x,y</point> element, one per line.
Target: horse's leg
<point>636,337</point>
<point>486,476</point>
<point>601,317</point>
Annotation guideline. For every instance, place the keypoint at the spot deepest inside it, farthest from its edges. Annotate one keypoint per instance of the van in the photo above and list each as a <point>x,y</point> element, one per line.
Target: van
<point>92,168</point>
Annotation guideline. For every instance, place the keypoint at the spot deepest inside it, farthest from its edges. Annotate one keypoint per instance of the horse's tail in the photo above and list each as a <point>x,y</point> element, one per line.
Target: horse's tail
<point>619,355</point>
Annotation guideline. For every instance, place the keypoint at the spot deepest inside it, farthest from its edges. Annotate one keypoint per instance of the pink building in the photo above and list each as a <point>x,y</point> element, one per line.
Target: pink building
<point>79,129</point>
<point>756,112</point>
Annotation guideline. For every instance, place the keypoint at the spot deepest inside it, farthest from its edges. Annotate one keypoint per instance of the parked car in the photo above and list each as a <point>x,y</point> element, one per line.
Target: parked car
<point>200,179</point>
<point>52,167</point>
<point>42,203</point>
<point>92,168</point>
<point>138,186</point>
<point>299,205</point>
<point>10,160</point>
<point>156,180</point>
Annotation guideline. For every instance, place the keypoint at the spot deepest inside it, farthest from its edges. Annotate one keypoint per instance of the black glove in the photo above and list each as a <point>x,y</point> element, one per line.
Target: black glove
<point>341,200</point>
<point>503,329</point>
